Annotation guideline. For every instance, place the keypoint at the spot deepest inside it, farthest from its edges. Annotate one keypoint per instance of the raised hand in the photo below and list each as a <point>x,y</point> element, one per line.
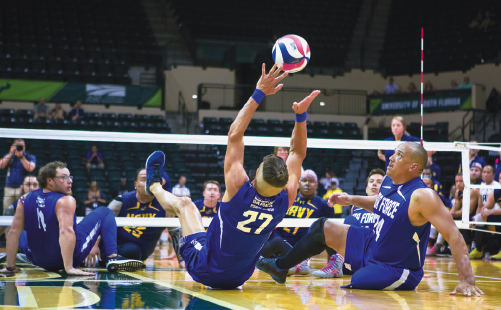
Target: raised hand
<point>339,199</point>
<point>468,289</point>
<point>300,108</point>
<point>268,81</point>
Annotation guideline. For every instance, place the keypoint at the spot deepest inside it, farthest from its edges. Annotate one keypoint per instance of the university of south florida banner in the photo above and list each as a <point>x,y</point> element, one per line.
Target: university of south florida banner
<point>23,90</point>
<point>438,102</point>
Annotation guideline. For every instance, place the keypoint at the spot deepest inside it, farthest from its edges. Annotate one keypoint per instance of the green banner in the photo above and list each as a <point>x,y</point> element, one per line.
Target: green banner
<point>407,105</point>
<point>20,90</point>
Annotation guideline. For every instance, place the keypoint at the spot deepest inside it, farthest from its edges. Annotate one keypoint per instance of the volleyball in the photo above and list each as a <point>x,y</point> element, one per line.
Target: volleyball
<point>292,51</point>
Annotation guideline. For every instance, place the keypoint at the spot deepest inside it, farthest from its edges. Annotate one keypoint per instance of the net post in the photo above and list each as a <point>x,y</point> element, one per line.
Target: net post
<point>465,163</point>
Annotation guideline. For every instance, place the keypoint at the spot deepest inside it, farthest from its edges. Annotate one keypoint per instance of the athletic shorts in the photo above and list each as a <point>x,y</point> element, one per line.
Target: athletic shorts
<point>194,251</point>
<point>370,274</point>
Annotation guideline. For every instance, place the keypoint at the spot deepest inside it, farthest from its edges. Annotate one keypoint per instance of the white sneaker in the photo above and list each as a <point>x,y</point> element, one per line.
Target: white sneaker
<point>300,269</point>
<point>334,269</point>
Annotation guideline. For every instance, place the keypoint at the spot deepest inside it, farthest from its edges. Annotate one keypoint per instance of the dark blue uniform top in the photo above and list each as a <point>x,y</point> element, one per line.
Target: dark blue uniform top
<point>389,153</point>
<point>304,209</point>
<point>145,237</point>
<point>16,172</point>
<point>364,217</point>
<point>435,172</point>
<point>236,237</point>
<point>206,212</point>
<point>497,195</point>
<point>396,241</point>
<point>42,227</point>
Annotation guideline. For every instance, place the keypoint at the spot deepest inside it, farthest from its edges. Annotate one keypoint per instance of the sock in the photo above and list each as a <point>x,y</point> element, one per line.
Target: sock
<point>330,252</point>
<point>305,248</point>
<point>276,247</point>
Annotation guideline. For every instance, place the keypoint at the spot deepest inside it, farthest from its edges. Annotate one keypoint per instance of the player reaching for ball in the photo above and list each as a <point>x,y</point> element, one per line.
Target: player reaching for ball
<point>225,256</point>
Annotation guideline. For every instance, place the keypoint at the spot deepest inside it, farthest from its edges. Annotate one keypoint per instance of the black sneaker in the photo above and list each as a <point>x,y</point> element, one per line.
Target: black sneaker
<point>119,263</point>
<point>269,266</point>
<point>445,252</point>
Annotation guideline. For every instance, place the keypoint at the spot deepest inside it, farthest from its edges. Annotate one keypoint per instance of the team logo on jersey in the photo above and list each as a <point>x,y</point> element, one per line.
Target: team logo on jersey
<point>260,203</point>
<point>41,202</point>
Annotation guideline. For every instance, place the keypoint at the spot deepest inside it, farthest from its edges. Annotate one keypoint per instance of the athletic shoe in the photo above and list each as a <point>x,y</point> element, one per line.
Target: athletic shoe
<point>496,257</point>
<point>176,234</point>
<point>476,254</point>
<point>300,269</point>
<point>334,269</point>
<point>445,252</point>
<point>154,164</point>
<point>119,263</point>
<point>20,258</point>
<point>269,266</point>
<point>431,252</point>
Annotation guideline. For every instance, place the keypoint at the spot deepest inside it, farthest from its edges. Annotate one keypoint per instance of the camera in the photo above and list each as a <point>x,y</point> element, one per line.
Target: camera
<point>19,147</point>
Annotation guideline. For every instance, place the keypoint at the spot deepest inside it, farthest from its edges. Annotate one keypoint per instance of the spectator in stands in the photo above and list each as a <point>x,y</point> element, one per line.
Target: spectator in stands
<point>94,158</point>
<point>57,112</point>
<point>94,198</point>
<point>411,88</point>
<point>209,205</point>
<point>18,164</point>
<point>326,182</point>
<point>476,173</point>
<point>180,189</point>
<point>466,84</point>
<point>77,112</point>
<point>41,110</point>
<point>166,185</point>
<point>391,88</point>
<point>338,209</point>
<point>398,128</point>
<point>121,188</point>
<point>454,84</point>
<point>497,167</point>
<point>429,87</point>
<point>282,152</point>
<point>474,157</point>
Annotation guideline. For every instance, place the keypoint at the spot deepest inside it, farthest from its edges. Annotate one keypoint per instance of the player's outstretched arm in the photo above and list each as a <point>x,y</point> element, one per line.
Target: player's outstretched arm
<point>298,145</point>
<point>426,206</point>
<point>364,202</point>
<point>234,172</point>
<point>13,239</point>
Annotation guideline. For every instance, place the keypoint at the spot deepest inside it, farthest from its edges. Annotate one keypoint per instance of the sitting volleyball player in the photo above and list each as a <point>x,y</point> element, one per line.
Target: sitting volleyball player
<point>133,242</point>
<point>390,256</point>
<point>225,256</point>
<point>307,205</point>
<point>359,217</point>
<point>55,240</point>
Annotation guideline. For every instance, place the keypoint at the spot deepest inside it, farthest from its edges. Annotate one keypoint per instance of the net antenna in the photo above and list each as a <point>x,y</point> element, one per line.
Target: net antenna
<point>422,86</point>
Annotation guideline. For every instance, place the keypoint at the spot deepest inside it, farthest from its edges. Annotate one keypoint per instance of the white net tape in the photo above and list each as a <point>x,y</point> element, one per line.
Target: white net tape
<point>462,147</point>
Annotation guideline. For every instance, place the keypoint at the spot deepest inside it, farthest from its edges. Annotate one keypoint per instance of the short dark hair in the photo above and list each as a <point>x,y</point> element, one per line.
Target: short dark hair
<point>459,175</point>
<point>275,171</point>
<point>373,172</point>
<point>490,167</point>
<point>212,182</point>
<point>427,167</point>
<point>137,172</point>
<point>49,171</point>
<point>275,150</point>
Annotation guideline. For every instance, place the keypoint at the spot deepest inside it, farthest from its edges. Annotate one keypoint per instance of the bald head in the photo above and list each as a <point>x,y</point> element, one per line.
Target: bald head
<point>418,154</point>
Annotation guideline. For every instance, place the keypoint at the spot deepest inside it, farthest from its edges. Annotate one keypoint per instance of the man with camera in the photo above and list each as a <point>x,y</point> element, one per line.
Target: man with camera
<point>18,164</point>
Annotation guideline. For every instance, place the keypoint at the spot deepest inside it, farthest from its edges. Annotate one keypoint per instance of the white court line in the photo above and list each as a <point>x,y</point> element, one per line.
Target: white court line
<point>441,272</point>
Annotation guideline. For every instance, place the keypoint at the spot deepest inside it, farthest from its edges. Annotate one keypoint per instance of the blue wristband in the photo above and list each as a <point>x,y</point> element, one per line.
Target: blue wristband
<point>301,117</point>
<point>258,96</point>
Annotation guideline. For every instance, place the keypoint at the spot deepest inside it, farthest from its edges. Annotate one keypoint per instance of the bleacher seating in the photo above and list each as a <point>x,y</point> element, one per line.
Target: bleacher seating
<point>74,41</point>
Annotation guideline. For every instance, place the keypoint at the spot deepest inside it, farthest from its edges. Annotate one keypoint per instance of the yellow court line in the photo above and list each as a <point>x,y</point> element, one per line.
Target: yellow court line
<point>186,291</point>
<point>26,297</point>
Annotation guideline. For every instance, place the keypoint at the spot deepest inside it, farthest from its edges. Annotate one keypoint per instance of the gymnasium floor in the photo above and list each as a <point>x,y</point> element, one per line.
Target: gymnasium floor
<point>164,286</point>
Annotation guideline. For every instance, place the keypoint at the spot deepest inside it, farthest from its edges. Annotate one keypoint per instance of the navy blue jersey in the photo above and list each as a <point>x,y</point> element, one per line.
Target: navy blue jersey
<point>42,227</point>
<point>498,171</point>
<point>364,217</point>
<point>236,237</point>
<point>435,172</point>
<point>476,159</point>
<point>389,153</point>
<point>145,237</point>
<point>497,195</point>
<point>396,241</point>
<point>304,209</point>
<point>206,212</point>
<point>437,187</point>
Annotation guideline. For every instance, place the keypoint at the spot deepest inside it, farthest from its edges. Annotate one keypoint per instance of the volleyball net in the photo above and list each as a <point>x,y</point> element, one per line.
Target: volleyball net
<point>201,158</point>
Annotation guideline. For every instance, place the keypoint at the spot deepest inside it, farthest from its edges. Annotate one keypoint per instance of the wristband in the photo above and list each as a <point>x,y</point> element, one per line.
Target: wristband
<point>258,96</point>
<point>11,268</point>
<point>301,117</point>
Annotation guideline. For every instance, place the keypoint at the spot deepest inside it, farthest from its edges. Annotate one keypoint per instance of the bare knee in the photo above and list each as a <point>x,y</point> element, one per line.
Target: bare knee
<point>185,204</point>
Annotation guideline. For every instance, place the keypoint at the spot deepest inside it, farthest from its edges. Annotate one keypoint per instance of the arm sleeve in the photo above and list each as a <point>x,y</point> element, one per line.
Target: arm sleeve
<point>100,155</point>
<point>89,154</point>
<point>32,159</point>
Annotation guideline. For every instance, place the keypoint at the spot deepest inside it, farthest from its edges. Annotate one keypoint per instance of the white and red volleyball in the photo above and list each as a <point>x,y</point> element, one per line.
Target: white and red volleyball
<point>292,51</point>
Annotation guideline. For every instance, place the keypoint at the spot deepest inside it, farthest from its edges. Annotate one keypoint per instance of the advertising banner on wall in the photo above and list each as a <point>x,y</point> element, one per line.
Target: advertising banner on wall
<point>22,90</point>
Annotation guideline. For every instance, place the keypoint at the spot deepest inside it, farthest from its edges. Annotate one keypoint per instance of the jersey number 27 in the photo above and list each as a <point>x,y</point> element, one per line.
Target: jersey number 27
<point>253,215</point>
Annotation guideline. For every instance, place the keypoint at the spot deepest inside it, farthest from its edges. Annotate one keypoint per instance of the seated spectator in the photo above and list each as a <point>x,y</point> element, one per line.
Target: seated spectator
<point>41,110</point>
<point>57,112</point>
<point>454,85</point>
<point>94,198</point>
<point>180,189</point>
<point>466,84</point>
<point>209,205</point>
<point>411,88</point>
<point>391,88</point>
<point>429,87</point>
<point>326,182</point>
<point>338,209</point>
<point>94,159</point>
<point>77,112</point>
<point>121,189</point>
